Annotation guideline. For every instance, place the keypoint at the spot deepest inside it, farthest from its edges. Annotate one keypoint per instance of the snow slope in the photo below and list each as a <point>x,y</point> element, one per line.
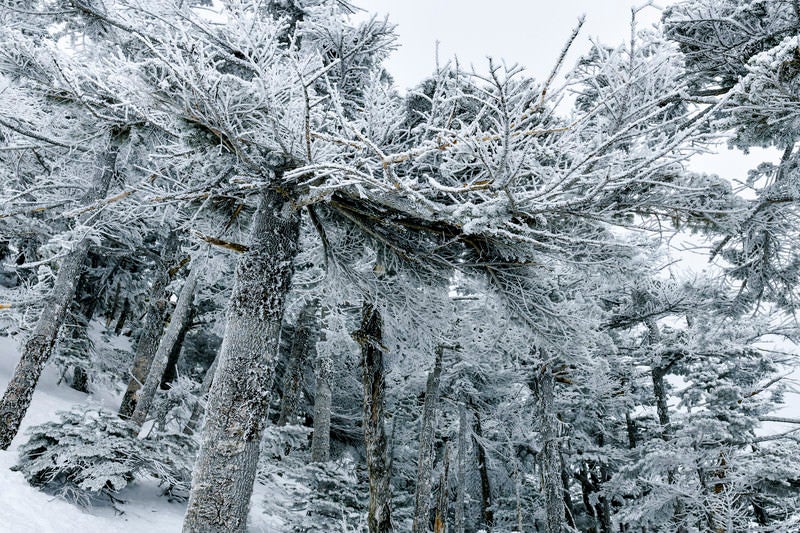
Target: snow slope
<point>24,509</point>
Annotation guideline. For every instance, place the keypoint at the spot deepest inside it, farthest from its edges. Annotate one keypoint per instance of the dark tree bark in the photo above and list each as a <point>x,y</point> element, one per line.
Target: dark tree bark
<point>425,456</point>
<point>303,346</point>
<point>630,426</point>
<point>321,438</point>
<point>483,470</point>
<point>111,311</point>
<point>440,520</point>
<point>179,319</point>
<point>82,310</point>
<point>662,408</point>
<point>150,334</point>
<point>659,385</point>
<point>7,279</point>
<point>80,379</point>
<point>370,336</point>
<point>463,431</point>
<point>543,386</point>
<point>171,372</point>
<point>239,398</point>
<point>569,508</point>
<point>123,316</point>
<point>39,346</point>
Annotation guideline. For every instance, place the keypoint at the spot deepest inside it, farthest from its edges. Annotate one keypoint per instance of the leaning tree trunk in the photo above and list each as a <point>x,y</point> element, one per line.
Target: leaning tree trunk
<point>82,310</point>
<point>171,372</point>
<point>39,346</point>
<point>239,399</point>
<point>379,518</point>
<point>123,316</point>
<point>425,455</point>
<point>150,333</point>
<point>550,456</point>
<point>181,315</point>
<point>303,346</point>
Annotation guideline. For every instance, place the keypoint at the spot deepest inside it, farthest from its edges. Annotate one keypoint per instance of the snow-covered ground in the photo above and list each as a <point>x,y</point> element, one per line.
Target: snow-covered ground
<point>24,509</point>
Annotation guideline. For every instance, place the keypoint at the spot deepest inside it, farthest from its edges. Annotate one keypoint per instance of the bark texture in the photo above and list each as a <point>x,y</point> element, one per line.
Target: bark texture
<point>81,311</point>
<point>483,470</point>
<point>440,520</point>
<point>463,431</point>
<point>39,346</point>
<point>150,334</point>
<point>321,438</point>
<point>239,398</point>
<point>425,456</point>
<point>303,346</point>
<point>379,518</point>
<point>550,457</point>
<point>659,386</point>
<point>181,315</point>
<point>171,372</point>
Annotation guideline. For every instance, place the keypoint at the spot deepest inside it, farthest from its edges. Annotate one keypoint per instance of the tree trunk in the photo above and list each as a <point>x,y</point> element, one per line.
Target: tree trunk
<point>550,456</point>
<point>171,371</point>
<point>659,387</point>
<point>630,426</point>
<point>440,520</point>
<point>569,508</point>
<point>239,398</point>
<point>111,311</point>
<point>483,469</point>
<point>662,408</point>
<point>150,334</point>
<point>321,438</point>
<point>7,279</point>
<point>39,346</point>
<point>425,455</point>
<point>82,310</point>
<point>123,316</point>
<point>80,379</point>
<point>460,468</point>
<point>182,313</point>
<point>379,519</point>
<point>662,405</point>
<point>303,345</point>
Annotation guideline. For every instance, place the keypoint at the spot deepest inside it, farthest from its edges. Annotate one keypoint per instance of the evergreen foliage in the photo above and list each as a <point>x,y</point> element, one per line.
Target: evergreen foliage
<point>89,453</point>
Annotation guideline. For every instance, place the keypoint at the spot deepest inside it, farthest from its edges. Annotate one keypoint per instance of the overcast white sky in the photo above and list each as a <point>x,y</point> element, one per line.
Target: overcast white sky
<point>530,33</point>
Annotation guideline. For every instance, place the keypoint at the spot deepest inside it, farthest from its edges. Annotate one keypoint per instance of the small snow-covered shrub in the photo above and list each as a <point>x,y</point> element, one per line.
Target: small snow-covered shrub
<point>308,496</point>
<point>92,452</point>
<point>173,407</point>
